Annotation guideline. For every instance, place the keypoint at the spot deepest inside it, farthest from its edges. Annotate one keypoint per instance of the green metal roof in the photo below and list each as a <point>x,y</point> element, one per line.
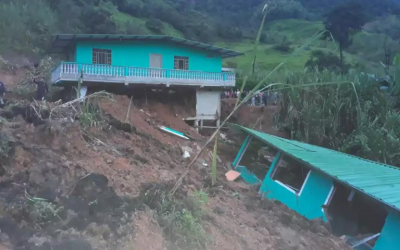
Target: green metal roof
<point>63,41</point>
<point>379,181</point>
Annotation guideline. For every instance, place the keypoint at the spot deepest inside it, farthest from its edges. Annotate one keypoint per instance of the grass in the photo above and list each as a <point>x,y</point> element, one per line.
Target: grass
<point>269,58</point>
<point>365,46</point>
<point>295,30</point>
<point>180,218</point>
<point>5,145</point>
<point>121,19</point>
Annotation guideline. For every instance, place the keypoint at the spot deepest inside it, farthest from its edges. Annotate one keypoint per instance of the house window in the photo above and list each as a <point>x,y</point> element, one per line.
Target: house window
<point>181,62</point>
<point>290,173</point>
<point>101,56</point>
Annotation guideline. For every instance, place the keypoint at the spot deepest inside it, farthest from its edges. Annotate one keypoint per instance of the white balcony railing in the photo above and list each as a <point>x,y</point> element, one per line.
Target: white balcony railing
<point>67,71</point>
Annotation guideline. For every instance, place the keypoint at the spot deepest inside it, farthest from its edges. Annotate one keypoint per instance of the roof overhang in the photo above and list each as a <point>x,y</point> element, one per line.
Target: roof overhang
<point>62,42</point>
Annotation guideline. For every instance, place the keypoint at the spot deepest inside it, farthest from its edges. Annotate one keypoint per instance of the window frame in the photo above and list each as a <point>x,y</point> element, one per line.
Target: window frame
<point>287,186</point>
<point>184,59</point>
<point>102,56</point>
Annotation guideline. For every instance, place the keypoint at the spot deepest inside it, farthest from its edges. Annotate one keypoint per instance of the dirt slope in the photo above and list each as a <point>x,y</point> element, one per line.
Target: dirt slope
<point>92,181</point>
<point>258,117</point>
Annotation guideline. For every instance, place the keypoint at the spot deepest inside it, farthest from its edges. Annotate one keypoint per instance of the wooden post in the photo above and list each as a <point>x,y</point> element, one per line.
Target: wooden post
<point>80,81</point>
<point>128,113</point>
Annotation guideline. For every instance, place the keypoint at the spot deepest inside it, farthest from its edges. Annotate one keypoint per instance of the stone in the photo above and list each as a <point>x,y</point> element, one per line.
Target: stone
<point>201,161</point>
<point>38,241</point>
<point>266,204</point>
<point>219,210</point>
<point>188,149</point>
<point>109,161</point>
<point>166,176</point>
<point>49,165</point>
<point>4,237</point>
<point>186,155</point>
<point>285,218</point>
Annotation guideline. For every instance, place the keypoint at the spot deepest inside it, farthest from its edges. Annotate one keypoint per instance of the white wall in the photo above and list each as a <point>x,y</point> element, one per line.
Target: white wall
<point>208,106</point>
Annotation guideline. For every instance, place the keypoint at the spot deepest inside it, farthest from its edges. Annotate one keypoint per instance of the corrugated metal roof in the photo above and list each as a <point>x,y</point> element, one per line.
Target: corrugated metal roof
<point>379,181</point>
<point>63,41</point>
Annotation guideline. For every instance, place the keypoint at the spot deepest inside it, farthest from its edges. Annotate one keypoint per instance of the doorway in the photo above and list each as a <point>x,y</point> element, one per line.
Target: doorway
<point>355,215</point>
<point>156,70</point>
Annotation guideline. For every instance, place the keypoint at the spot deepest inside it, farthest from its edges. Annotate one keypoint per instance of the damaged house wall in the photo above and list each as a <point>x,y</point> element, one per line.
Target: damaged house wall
<point>379,182</point>
<point>389,238</point>
<point>308,201</point>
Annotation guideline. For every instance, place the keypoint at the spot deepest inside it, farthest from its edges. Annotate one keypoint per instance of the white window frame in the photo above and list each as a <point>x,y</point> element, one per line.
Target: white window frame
<point>298,193</point>
<point>184,60</point>
<point>101,56</point>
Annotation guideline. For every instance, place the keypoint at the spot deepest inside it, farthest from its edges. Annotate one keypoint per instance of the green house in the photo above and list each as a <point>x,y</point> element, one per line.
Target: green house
<point>145,61</point>
<point>358,198</point>
<point>130,59</point>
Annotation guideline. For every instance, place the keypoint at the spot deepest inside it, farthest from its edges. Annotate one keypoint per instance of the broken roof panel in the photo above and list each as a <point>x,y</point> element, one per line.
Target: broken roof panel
<point>63,41</point>
<point>379,181</point>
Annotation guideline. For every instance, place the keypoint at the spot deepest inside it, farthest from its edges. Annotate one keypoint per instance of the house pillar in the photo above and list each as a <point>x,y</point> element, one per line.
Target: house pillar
<point>389,238</point>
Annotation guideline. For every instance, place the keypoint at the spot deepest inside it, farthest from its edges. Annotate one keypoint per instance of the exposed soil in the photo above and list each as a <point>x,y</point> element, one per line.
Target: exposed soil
<point>257,117</point>
<point>92,181</point>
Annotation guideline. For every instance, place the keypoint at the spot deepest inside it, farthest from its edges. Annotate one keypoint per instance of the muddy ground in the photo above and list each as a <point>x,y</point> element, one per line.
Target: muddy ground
<point>66,187</point>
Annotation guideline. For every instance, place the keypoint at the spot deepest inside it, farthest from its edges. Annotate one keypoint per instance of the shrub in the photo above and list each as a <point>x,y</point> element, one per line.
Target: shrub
<point>359,120</point>
<point>229,32</point>
<point>325,61</point>
<point>155,25</point>
<point>180,217</point>
<point>388,25</point>
<point>286,9</point>
<point>231,64</point>
<point>5,144</point>
<point>25,25</point>
<point>284,48</point>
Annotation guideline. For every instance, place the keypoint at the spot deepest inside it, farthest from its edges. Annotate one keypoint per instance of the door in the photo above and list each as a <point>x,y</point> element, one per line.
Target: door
<point>208,105</point>
<point>156,66</point>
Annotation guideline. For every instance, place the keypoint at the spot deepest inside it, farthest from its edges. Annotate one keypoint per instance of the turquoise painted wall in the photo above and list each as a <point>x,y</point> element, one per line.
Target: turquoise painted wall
<point>309,203</point>
<point>390,235</point>
<point>137,54</point>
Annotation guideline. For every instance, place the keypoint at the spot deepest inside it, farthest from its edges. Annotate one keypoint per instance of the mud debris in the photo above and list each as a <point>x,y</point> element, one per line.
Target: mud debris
<point>62,187</point>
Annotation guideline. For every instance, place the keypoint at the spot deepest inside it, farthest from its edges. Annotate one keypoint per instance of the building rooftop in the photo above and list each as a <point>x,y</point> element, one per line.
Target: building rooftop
<point>379,181</point>
<point>62,41</point>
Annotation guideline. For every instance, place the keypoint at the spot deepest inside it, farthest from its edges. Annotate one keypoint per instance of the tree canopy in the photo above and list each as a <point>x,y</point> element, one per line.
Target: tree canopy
<point>28,24</point>
<point>343,22</point>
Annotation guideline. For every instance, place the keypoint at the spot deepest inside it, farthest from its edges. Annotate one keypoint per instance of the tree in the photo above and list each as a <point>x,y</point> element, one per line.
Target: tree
<point>99,20</point>
<point>155,25</point>
<point>343,22</point>
<point>325,61</point>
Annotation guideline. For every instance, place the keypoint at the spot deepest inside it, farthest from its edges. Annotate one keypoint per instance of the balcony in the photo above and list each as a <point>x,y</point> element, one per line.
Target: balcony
<point>67,72</point>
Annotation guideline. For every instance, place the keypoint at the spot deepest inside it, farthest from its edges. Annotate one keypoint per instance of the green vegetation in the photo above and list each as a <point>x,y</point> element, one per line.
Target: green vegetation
<point>342,23</point>
<point>42,211</point>
<point>179,217</point>
<point>289,24</point>
<point>353,115</point>
<point>5,143</point>
<point>326,61</point>
<point>92,115</point>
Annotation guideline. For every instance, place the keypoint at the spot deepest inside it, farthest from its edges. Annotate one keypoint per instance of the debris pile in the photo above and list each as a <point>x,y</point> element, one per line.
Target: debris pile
<point>76,182</point>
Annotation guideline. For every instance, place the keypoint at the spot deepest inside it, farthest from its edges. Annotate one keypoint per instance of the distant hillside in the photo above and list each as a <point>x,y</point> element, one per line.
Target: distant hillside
<point>26,25</point>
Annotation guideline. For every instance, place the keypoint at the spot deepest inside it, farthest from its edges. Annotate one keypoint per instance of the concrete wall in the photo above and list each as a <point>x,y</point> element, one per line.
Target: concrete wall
<point>390,235</point>
<point>208,104</point>
<point>308,202</point>
<point>137,54</point>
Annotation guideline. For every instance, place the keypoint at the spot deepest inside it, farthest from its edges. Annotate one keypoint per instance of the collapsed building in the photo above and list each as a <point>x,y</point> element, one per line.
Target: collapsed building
<point>360,199</point>
<point>153,62</point>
